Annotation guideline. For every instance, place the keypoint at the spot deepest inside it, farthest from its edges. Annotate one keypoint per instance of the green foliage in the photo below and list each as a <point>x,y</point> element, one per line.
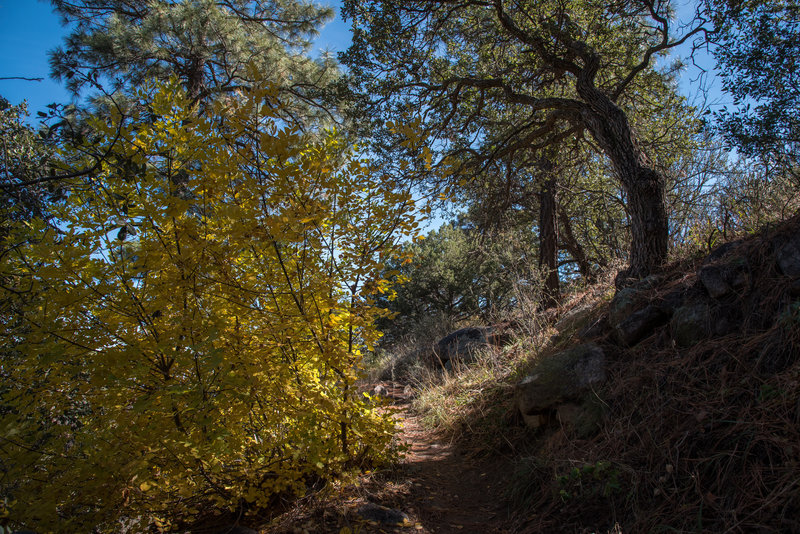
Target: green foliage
<point>210,46</point>
<point>24,156</point>
<point>510,82</point>
<point>188,325</point>
<point>458,272</point>
<point>745,196</point>
<point>758,44</point>
<point>495,79</point>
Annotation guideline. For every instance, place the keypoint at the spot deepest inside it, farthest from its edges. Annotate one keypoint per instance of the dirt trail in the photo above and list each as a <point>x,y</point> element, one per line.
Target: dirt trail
<point>437,488</point>
<point>450,492</point>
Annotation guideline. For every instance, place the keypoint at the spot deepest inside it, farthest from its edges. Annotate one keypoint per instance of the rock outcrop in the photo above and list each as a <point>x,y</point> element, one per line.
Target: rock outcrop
<point>463,345</point>
<point>787,254</point>
<point>691,324</point>
<point>560,385</point>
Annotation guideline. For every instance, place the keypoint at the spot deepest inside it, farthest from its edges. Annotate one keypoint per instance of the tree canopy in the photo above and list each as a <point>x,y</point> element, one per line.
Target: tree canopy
<point>209,45</point>
<point>757,45</point>
<point>556,70</point>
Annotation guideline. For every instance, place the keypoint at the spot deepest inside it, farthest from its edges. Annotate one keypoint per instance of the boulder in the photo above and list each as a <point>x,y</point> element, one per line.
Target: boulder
<point>672,300</point>
<point>787,254</point>
<point>713,279</point>
<point>691,324</point>
<point>721,251</point>
<point>649,282</point>
<point>535,420</point>
<point>561,379</point>
<point>584,418</point>
<point>637,326</point>
<point>594,329</point>
<point>738,273</point>
<point>622,305</point>
<point>463,345</point>
<point>575,318</point>
<point>719,280</point>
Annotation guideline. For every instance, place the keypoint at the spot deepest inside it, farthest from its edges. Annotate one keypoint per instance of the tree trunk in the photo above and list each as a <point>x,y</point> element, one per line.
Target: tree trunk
<point>644,187</point>
<point>574,248</point>
<point>548,242</point>
<point>649,226</point>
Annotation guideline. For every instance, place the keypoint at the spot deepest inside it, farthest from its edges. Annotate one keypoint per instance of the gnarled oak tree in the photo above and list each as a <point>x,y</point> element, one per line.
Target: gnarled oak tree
<point>557,69</point>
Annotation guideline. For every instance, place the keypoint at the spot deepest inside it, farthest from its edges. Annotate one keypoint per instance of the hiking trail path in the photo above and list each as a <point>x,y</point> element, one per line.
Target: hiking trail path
<point>448,490</point>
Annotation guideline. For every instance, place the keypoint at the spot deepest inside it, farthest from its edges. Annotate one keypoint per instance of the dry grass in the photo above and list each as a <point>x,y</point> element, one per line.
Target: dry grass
<point>472,403</point>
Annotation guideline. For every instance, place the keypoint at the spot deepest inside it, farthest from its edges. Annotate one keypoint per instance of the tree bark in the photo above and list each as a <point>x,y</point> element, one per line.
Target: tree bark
<point>548,242</point>
<point>574,248</point>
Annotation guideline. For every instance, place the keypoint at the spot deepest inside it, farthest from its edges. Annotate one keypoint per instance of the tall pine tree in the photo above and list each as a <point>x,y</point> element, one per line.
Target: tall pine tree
<point>211,46</point>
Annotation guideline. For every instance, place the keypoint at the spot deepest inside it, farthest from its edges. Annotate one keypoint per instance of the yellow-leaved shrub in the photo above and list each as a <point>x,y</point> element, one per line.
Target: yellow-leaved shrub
<point>186,330</point>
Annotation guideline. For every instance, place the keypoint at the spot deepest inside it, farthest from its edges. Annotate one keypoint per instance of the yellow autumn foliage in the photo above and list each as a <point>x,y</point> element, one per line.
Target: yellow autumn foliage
<point>187,329</point>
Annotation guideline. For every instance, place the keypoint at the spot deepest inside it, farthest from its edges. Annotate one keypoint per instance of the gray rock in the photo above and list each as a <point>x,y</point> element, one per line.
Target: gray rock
<point>574,318</point>
<point>534,420</point>
<point>691,324</point>
<point>380,391</point>
<point>594,329</point>
<point>622,305</point>
<point>787,254</point>
<point>672,301</point>
<point>462,345</point>
<point>721,251</point>
<point>560,378</point>
<point>640,324</point>
<point>649,282</point>
<point>382,515</point>
<point>584,418</point>
<point>713,279</point>
<point>720,279</point>
<point>738,273</point>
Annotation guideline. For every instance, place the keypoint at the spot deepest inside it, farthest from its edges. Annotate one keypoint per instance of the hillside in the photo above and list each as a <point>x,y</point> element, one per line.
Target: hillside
<point>698,414</point>
<point>700,425</point>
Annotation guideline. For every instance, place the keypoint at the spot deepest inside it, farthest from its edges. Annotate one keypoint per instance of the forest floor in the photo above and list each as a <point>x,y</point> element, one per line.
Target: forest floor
<point>437,488</point>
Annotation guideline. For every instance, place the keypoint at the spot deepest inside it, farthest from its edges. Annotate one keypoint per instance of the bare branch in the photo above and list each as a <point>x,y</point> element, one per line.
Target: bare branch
<point>21,78</point>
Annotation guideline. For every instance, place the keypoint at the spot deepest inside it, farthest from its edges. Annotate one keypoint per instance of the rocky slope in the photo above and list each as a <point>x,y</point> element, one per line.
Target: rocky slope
<point>680,410</point>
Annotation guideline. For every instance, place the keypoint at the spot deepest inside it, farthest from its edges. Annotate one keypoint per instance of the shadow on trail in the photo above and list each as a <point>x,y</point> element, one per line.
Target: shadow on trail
<point>448,491</point>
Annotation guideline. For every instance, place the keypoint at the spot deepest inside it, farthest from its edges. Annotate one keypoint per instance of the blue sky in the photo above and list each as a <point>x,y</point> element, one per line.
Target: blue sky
<point>29,28</point>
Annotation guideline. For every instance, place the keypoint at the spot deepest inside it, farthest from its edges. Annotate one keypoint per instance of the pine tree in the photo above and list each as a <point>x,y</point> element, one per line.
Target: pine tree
<point>211,46</point>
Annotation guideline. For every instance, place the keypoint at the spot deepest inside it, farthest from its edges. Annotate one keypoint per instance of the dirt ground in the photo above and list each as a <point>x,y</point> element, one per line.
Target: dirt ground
<point>446,490</point>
